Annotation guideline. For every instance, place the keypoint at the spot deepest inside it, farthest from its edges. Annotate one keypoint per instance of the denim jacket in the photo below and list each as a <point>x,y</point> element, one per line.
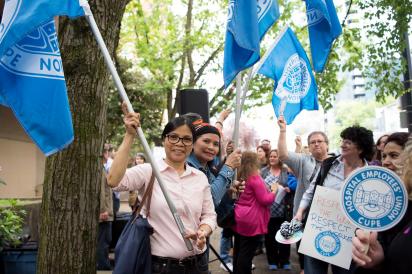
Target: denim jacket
<point>218,183</point>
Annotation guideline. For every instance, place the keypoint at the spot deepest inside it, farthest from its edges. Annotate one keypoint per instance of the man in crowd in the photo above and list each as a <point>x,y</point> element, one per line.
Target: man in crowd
<point>303,166</point>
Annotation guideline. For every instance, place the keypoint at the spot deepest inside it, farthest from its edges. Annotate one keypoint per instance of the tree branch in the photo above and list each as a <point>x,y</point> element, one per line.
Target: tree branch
<point>199,73</point>
<point>187,46</point>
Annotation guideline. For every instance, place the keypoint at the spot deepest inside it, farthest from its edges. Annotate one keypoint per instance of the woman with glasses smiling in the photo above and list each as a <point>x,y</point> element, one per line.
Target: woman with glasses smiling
<point>186,186</point>
<point>357,148</point>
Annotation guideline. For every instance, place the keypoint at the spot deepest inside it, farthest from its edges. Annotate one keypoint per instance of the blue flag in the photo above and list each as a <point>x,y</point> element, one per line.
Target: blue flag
<point>32,81</point>
<point>295,86</point>
<point>22,17</point>
<point>248,21</point>
<point>324,28</point>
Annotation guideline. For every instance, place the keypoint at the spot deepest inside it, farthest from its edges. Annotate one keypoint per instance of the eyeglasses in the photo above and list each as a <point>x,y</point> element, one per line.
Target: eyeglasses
<point>316,142</point>
<point>174,139</point>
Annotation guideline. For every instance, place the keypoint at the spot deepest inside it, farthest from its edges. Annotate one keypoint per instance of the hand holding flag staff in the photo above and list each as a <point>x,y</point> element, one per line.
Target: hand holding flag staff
<point>32,80</point>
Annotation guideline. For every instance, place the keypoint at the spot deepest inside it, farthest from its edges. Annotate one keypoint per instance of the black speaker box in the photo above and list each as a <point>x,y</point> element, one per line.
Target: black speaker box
<point>194,100</point>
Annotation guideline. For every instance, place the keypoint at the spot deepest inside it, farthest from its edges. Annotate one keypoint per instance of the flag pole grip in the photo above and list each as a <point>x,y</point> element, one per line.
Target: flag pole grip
<point>125,98</point>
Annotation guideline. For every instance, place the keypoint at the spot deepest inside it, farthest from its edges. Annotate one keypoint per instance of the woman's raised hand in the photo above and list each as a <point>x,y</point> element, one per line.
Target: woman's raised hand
<point>131,120</point>
<point>233,160</point>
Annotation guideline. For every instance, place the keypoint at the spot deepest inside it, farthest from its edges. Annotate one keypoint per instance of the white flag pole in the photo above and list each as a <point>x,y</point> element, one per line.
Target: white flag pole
<point>122,92</point>
<point>256,67</point>
<point>237,110</point>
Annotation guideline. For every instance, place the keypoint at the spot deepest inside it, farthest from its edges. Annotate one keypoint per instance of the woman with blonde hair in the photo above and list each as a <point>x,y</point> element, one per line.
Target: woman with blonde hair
<point>251,213</point>
<point>392,253</point>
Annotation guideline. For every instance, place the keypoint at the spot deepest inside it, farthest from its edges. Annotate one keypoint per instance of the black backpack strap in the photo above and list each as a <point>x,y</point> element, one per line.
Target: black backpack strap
<point>324,169</point>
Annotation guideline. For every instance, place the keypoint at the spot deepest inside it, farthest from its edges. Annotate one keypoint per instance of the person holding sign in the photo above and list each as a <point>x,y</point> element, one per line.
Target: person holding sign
<point>187,186</point>
<point>357,148</point>
<point>389,251</point>
<point>303,166</point>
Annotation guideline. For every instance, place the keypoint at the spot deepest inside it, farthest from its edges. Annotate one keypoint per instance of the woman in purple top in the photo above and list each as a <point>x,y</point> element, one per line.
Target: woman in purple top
<point>251,213</point>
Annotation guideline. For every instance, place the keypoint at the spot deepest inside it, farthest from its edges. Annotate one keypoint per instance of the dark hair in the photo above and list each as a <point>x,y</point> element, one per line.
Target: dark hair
<point>266,151</point>
<point>280,164</point>
<point>363,138</point>
<point>192,117</point>
<point>175,123</point>
<point>399,138</point>
<point>141,155</point>
<point>204,128</point>
<point>378,142</point>
<point>320,133</point>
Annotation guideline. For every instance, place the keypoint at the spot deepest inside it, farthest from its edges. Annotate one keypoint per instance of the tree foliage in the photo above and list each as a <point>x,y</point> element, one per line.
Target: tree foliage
<point>145,100</point>
<point>361,113</point>
<point>176,49</point>
<point>173,50</point>
<point>389,22</point>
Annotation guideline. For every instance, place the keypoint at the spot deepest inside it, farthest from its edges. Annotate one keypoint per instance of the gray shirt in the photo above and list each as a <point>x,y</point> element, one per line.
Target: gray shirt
<point>334,179</point>
<point>303,167</point>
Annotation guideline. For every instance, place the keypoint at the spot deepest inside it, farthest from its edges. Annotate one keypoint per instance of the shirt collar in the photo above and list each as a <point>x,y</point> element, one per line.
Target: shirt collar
<point>164,166</point>
<point>339,160</point>
<point>194,162</point>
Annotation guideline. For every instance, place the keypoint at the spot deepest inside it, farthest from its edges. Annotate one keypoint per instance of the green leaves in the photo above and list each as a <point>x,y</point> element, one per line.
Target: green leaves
<point>11,224</point>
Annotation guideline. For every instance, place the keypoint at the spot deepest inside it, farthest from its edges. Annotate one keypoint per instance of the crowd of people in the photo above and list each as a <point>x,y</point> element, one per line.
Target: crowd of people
<point>271,185</point>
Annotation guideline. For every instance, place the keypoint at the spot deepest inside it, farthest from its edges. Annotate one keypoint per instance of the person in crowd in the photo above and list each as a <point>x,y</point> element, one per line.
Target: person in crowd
<point>304,166</point>
<point>275,173</point>
<point>394,145</point>
<point>206,147</point>
<point>380,144</point>
<point>262,156</point>
<point>388,251</point>
<point>266,145</point>
<point>226,242</point>
<point>104,237</point>
<point>186,186</point>
<point>357,148</point>
<point>139,159</point>
<point>251,213</point>
<point>109,152</point>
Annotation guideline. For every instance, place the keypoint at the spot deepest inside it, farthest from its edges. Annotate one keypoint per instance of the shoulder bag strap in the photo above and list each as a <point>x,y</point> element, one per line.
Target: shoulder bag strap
<point>147,196</point>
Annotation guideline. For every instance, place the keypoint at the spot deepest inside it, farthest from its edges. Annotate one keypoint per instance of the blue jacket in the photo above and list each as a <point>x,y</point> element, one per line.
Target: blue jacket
<point>218,183</point>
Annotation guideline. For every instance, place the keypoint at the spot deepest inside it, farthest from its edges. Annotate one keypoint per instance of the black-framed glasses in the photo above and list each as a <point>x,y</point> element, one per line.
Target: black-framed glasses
<point>174,139</point>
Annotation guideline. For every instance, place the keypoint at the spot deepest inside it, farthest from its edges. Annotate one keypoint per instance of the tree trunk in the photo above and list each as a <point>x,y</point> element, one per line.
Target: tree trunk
<point>70,206</point>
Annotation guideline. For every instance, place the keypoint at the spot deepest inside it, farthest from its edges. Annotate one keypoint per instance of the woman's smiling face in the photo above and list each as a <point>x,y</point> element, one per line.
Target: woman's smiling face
<point>206,147</point>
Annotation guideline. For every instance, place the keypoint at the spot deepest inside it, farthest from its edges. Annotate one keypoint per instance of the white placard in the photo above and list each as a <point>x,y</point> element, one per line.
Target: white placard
<point>328,233</point>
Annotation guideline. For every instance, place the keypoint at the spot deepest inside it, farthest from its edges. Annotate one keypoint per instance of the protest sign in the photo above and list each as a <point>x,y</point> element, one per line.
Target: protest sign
<point>374,198</point>
<point>328,233</point>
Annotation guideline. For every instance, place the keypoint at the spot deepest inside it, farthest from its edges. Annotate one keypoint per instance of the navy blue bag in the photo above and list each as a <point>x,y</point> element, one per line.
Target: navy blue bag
<point>132,253</point>
<point>225,211</point>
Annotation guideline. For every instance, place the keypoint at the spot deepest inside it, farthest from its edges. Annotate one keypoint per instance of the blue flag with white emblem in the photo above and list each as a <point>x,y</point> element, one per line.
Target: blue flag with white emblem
<point>248,21</point>
<point>32,81</point>
<point>21,17</point>
<point>324,28</point>
<point>295,87</point>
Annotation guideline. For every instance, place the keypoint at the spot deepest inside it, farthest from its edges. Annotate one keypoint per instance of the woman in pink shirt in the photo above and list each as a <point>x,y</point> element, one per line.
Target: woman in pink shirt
<point>251,213</point>
<point>187,187</point>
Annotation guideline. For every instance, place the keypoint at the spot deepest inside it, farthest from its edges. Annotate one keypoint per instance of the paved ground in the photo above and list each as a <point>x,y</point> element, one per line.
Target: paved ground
<point>259,261</point>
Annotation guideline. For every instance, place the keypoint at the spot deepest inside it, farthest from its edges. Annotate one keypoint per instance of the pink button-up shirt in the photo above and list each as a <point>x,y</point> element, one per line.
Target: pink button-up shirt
<point>190,193</point>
